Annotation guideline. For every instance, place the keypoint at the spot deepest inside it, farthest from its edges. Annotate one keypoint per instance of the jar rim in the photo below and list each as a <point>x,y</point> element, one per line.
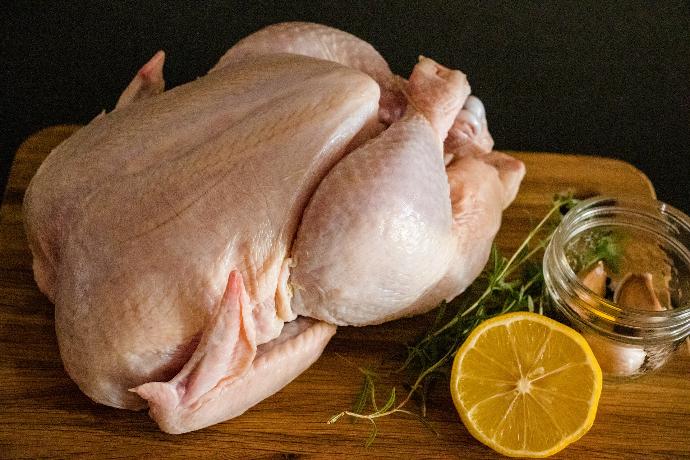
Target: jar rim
<point>666,323</point>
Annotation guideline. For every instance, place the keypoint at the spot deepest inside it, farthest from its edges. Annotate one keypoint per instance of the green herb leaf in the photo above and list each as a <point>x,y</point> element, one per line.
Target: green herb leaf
<point>390,402</point>
<point>361,400</point>
<point>372,434</point>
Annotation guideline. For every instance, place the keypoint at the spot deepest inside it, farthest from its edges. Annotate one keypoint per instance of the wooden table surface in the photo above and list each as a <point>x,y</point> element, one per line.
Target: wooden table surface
<point>43,414</point>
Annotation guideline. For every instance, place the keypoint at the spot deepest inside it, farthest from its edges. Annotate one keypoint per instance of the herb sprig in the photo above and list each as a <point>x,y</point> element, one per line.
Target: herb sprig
<point>505,285</point>
<point>601,244</point>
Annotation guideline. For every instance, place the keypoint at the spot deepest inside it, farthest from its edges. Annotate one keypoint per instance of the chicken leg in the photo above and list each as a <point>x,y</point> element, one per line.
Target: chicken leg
<point>385,235</point>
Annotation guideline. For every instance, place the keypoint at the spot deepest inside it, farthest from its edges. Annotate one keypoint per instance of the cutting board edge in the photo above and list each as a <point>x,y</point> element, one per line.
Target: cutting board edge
<point>28,143</point>
<point>574,156</point>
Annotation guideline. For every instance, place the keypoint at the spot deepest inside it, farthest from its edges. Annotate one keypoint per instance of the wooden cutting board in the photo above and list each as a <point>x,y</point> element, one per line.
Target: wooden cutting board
<point>43,414</point>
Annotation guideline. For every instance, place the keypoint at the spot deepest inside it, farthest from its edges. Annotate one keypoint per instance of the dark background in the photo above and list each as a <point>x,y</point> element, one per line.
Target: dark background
<point>606,79</point>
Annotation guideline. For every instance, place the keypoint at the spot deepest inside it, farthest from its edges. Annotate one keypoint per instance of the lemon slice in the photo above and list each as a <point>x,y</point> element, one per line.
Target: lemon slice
<point>525,385</point>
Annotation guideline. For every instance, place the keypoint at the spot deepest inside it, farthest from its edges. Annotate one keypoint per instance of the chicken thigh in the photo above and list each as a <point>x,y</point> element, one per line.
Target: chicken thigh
<point>201,243</point>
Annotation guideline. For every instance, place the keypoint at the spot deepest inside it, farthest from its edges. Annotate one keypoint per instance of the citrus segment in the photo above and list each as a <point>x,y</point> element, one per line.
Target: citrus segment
<point>526,385</point>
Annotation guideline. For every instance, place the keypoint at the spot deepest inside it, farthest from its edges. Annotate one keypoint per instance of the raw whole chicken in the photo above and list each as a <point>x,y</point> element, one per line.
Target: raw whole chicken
<point>200,244</point>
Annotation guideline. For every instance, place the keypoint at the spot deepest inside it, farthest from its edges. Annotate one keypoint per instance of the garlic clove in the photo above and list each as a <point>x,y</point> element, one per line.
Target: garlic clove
<point>636,290</point>
<point>616,359</point>
<point>595,279</point>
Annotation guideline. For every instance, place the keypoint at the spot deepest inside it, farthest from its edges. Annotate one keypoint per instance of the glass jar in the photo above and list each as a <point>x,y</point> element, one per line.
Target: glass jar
<point>649,238</point>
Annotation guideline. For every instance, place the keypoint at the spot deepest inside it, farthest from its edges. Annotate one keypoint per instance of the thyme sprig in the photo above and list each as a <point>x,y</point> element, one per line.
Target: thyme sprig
<point>505,285</point>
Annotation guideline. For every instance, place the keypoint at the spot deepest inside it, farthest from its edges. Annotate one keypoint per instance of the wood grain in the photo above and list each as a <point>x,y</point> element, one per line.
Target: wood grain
<point>43,414</point>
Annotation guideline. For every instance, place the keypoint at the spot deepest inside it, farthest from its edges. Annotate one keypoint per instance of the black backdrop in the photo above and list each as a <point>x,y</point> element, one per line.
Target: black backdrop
<point>608,79</point>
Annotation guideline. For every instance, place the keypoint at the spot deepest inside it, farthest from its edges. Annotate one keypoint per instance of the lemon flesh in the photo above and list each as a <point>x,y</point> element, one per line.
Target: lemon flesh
<point>526,385</point>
